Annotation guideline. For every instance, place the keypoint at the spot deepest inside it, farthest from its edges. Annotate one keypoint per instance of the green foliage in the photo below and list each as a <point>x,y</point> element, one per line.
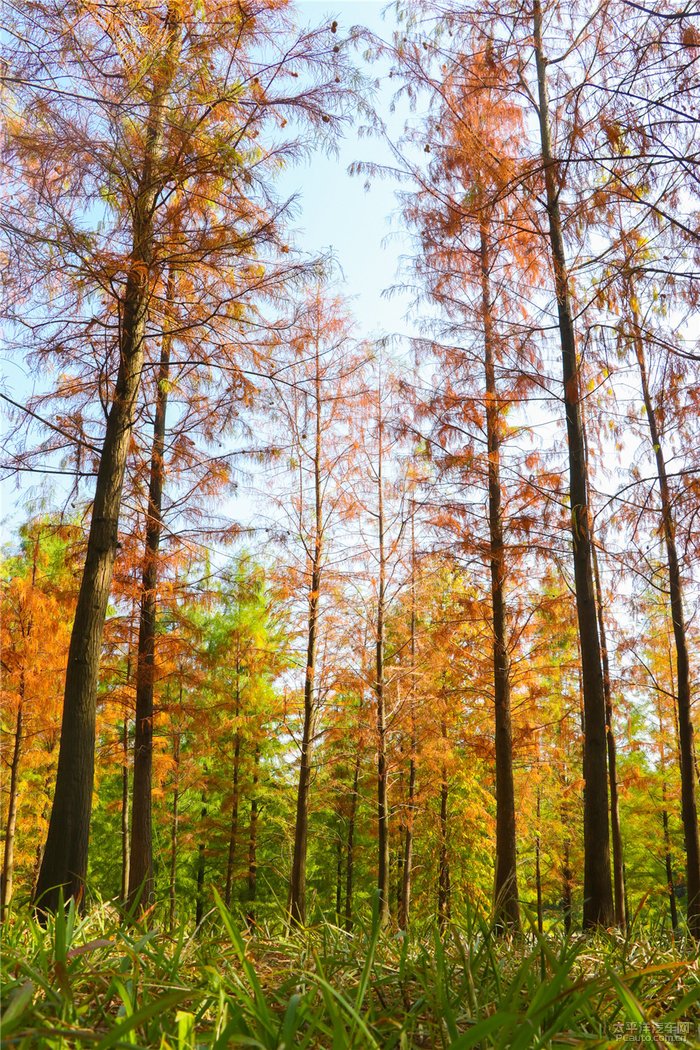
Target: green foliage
<point>92,981</point>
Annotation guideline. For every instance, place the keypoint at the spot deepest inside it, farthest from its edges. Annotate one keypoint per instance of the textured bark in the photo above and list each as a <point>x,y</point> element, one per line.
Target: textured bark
<point>174,822</point>
<point>233,830</point>
<point>64,864</point>
<point>141,889</point>
<point>350,844</point>
<point>506,908</point>
<point>125,808</point>
<point>383,888</point>
<point>253,844</point>
<point>8,860</point>
<point>201,868</point>
<point>538,869</point>
<point>689,809</point>
<point>597,886</point>
<point>297,899</point>
<point>443,902</point>
<point>407,874</point>
<point>617,853</point>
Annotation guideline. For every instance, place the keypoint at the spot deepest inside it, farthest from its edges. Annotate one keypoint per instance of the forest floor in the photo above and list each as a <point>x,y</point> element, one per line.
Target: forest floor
<point>94,981</point>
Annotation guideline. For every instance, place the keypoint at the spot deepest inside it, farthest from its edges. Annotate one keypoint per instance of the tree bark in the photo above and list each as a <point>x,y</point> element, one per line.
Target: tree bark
<point>141,888</point>
<point>443,908</point>
<point>253,844</point>
<point>297,903</point>
<point>8,860</point>
<point>597,886</point>
<point>383,888</point>
<point>689,810</point>
<point>125,809</point>
<point>617,853</point>
<point>174,820</point>
<point>350,845</point>
<point>233,831</point>
<point>406,884</point>
<point>64,864</point>
<point>506,907</point>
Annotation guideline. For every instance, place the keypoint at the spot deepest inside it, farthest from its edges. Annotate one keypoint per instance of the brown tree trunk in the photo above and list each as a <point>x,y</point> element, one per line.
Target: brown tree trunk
<point>8,860</point>
<point>597,887</point>
<point>406,884</point>
<point>253,844</point>
<point>506,908</point>
<point>689,810</point>
<point>383,888</point>
<point>233,831</point>
<point>538,869</point>
<point>618,856</point>
<point>64,864</point>
<point>125,809</point>
<point>141,890</point>
<point>443,908</point>
<point>174,821</point>
<point>201,869</point>
<point>350,845</point>
<point>297,900</point>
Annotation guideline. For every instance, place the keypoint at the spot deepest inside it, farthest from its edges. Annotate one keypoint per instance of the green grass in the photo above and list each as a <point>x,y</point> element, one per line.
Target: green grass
<point>95,982</point>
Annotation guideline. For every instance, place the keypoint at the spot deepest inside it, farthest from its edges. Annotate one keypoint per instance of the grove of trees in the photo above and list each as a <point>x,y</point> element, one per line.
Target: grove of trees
<point>323,619</point>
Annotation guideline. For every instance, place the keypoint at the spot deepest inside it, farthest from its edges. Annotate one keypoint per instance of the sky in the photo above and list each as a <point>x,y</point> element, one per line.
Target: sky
<point>337,212</point>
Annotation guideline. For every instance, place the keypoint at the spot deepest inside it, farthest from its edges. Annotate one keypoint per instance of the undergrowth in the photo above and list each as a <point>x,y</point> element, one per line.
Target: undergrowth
<point>96,981</point>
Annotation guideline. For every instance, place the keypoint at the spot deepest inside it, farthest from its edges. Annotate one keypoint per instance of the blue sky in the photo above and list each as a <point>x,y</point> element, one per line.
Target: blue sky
<point>337,211</point>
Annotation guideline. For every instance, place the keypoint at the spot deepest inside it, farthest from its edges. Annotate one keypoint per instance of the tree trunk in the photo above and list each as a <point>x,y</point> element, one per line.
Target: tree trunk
<point>252,844</point>
<point>444,863</point>
<point>506,908</point>
<point>597,886</point>
<point>669,863</point>
<point>233,831</point>
<point>174,819</point>
<point>689,811</point>
<point>406,885</point>
<point>350,847</point>
<point>383,888</point>
<point>64,864</point>
<point>618,857</point>
<point>297,902</point>
<point>125,809</point>
<point>141,890</point>
<point>8,860</point>
<point>201,868</point>
<point>538,869</point>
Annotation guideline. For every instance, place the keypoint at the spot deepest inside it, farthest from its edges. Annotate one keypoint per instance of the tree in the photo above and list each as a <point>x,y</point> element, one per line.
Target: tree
<point>126,149</point>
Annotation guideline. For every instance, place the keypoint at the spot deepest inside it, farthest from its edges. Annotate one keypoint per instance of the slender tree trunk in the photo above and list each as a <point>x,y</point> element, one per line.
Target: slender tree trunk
<point>64,864</point>
<point>174,821</point>
<point>8,860</point>
<point>339,872</point>
<point>350,845</point>
<point>664,818</point>
<point>141,889</point>
<point>125,809</point>
<point>617,852</point>
<point>201,869</point>
<point>253,844</point>
<point>506,908</point>
<point>689,809</point>
<point>233,831</point>
<point>444,863</point>
<point>382,769</point>
<point>297,903</point>
<point>669,863</point>
<point>597,887</point>
<point>405,901</point>
<point>538,870</point>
